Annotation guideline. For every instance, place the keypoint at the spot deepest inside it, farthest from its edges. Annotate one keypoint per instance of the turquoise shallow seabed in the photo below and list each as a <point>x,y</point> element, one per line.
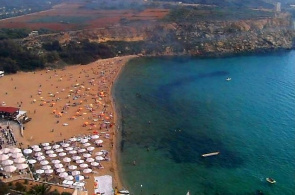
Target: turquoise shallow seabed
<point>193,110</point>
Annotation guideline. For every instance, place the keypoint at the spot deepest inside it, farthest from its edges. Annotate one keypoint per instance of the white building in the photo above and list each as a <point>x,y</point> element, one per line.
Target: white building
<point>278,7</point>
<point>1,73</point>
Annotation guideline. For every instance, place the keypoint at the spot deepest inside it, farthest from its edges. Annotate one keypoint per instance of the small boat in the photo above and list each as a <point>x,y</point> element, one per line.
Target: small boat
<point>210,154</point>
<point>270,180</point>
<point>123,192</point>
<point>187,193</point>
<point>228,78</point>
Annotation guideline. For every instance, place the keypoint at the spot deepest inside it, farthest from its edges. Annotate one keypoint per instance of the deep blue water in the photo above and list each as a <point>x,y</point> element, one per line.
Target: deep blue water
<point>193,110</point>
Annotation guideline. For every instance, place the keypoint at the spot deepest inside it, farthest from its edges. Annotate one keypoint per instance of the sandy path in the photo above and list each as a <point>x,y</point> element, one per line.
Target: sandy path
<point>43,92</point>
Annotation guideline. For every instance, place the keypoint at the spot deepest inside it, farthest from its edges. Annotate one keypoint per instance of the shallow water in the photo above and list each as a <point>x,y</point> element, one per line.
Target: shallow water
<point>193,110</point>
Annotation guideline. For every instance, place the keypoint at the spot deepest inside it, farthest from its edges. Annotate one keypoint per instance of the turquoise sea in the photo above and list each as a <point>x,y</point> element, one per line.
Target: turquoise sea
<point>175,109</point>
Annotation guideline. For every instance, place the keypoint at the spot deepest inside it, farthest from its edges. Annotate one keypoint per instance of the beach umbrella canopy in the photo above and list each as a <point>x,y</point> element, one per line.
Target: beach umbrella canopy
<point>76,157</point>
<point>49,152</point>
<point>83,141</point>
<point>86,155</point>
<point>55,161</point>
<point>48,171</point>
<point>19,160</point>
<point>79,161</point>
<point>17,155</point>
<point>37,149</point>
<point>28,151</point>
<point>87,170</point>
<point>22,166</point>
<point>94,164</point>
<point>89,160</point>
<point>38,154</point>
<point>99,153</point>
<point>74,173</point>
<point>32,161</point>
<point>1,152</point>
<point>35,146</point>
<point>73,139</point>
<point>99,158</point>
<point>87,144</point>
<point>58,166</point>
<point>4,157</point>
<point>69,148</point>
<point>83,165</point>
<point>6,150</point>
<point>45,144</point>
<point>64,174</point>
<point>60,170</point>
<point>62,154</point>
<point>56,146</point>
<point>69,178</point>
<point>82,150</point>
<point>15,150</point>
<point>40,171</point>
<point>46,167</point>
<point>94,136</point>
<point>44,162</point>
<point>52,155</point>
<point>67,159</point>
<point>65,145</point>
<point>72,167</point>
<point>7,162</point>
<point>40,158</point>
<point>9,169</point>
<point>99,141</point>
<point>91,148</point>
<point>47,147</point>
<point>59,150</point>
<point>73,152</point>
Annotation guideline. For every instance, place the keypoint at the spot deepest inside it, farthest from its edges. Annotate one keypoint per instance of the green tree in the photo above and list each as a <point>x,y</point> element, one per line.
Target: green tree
<point>42,189</point>
<point>4,189</point>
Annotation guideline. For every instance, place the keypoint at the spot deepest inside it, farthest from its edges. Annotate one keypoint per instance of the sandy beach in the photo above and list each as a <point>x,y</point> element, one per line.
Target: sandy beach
<point>68,102</point>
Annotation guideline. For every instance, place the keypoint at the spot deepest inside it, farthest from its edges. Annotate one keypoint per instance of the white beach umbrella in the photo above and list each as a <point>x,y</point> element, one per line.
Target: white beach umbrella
<point>56,146</point>
<point>76,157</point>
<point>98,153</point>
<point>94,164</point>
<point>73,152</point>
<point>79,161</point>
<point>65,145</point>
<point>46,167</point>
<point>32,161</point>
<point>9,169</point>
<point>83,141</point>
<point>81,178</point>
<point>73,139</point>
<point>55,161</point>
<point>47,147</point>
<point>17,155</point>
<point>67,159</point>
<point>21,166</point>
<point>91,148</point>
<point>6,150</point>
<point>58,166</point>
<point>35,146</point>
<point>72,167</point>
<point>45,144</point>
<point>99,141</point>
<point>59,150</point>
<point>83,165</point>
<point>4,157</point>
<point>15,150</point>
<point>62,154</point>
<point>37,149</point>
<point>48,171</point>
<point>19,160</point>
<point>40,171</point>
<point>67,182</point>
<point>99,158</point>
<point>1,152</point>
<point>44,162</point>
<point>60,170</point>
<point>49,152</point>
<point>87,170</point>
<point>82,150</point>
<point>40,158</point>
<point>52,155</point>
<point>64,174</point>
<point>90,160</point>
<point>94,136</point>
<point>28,151</point>
<point>74,173</point>
<point>39,154</point>
<point>69,148</point>
<point>87,144</point>
<point>86,155</point>
<point>7,162</point>
<point>69,178</point>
